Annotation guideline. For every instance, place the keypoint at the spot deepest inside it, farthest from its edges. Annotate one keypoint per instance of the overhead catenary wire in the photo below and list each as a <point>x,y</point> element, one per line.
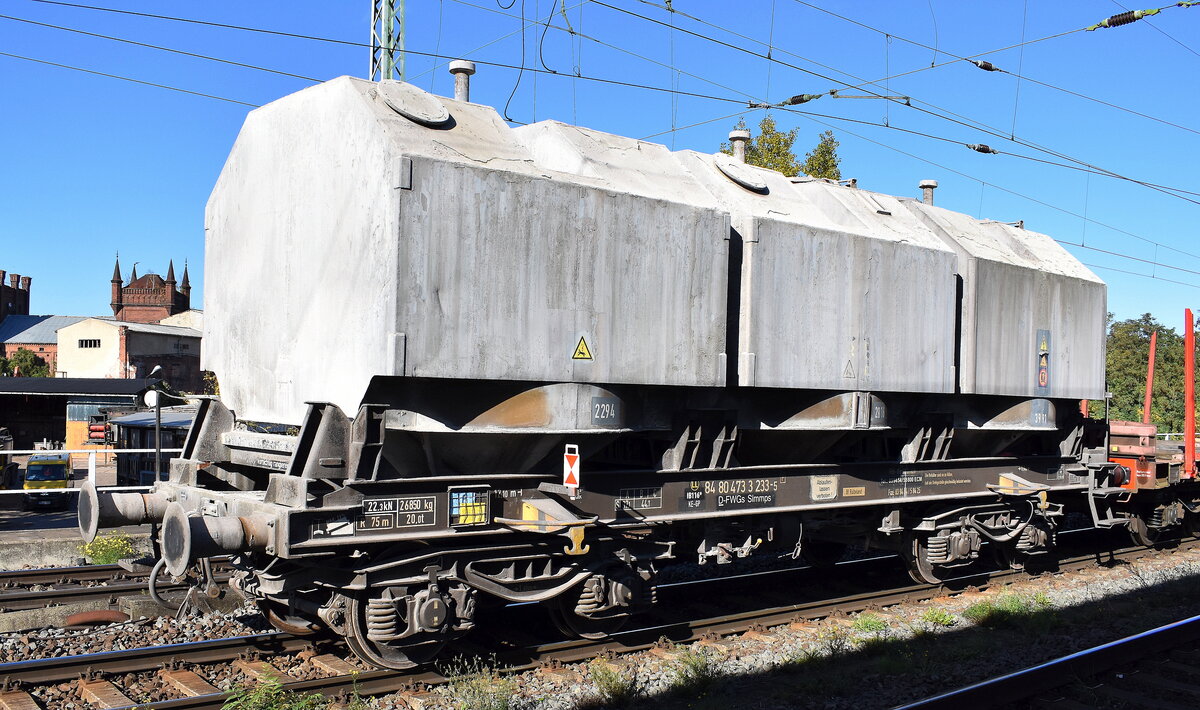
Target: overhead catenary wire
<point>692,125</point>
<point>1010,191</point>
<point>1135,273</point>
<point>578,33</point>
<point>501,65</point>
<point>965,121</point>
<point>130,79</point>
<point>1161,31</point>
<point>792,101</point>
<point>988,66</point>
<point>771,48</point>
<point>977,147</point>
<point>970,123</point>
<point>727,99</point>
<point>161,48</point>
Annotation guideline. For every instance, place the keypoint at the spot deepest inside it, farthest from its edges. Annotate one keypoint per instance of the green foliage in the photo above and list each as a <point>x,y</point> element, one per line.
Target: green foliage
<point>1007,610</point>
<point>270,695</point>
<point>868,623</point>
<point>1128,351</point>
<point>107,549</point>
<point>211,385</point>
<point>695,673</point>
<point>823,161</point>
<point>29,364</point>
<point>936,616</point>
<point>771,148</point>
<point>474,685</point>
<point>615,689</point>
<point>835,640</point>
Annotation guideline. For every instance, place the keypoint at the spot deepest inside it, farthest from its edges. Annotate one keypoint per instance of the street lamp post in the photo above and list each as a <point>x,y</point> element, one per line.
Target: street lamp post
<point>154,398</point>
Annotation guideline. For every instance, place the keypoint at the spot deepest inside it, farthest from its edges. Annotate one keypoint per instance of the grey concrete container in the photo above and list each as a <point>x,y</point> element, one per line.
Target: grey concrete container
<point>1028,306</point>
<point>840,289</point>
<point>345,241</point>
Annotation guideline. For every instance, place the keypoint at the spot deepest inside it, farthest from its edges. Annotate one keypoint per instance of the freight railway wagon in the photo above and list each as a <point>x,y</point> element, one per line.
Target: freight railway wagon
<point>542,362</point>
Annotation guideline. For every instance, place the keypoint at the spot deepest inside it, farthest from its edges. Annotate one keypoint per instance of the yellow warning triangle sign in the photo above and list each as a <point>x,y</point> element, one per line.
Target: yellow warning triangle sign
<point>582,352</point>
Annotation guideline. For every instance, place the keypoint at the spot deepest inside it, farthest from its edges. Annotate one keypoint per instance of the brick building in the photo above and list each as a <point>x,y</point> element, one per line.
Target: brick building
<point>38,334</point>
<point>149,298</point>
<point>102,347</point>
<point>14,296</point>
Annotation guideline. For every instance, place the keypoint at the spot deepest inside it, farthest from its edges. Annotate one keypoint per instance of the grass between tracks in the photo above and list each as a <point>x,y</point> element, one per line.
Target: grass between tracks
<point>108,549</point>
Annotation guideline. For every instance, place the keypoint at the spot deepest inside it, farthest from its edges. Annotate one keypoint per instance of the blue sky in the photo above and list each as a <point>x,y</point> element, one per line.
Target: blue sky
<point>95,165</point>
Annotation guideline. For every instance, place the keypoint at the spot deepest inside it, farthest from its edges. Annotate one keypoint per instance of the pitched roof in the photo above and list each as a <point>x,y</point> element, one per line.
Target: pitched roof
<point>171,419</point>
<point>34,329</point>
<point>71,386</point>
<point>155,328</point>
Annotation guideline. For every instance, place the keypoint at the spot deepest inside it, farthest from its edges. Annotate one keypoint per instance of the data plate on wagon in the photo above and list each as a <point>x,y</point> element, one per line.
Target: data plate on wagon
<point>383,514</point>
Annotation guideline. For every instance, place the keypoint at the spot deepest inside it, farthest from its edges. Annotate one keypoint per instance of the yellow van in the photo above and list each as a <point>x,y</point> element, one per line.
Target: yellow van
<point>46,472</point>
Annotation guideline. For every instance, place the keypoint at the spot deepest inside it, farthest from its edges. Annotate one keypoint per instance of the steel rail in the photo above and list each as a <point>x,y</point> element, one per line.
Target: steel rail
<point>62,669</point>
<point>382,682</point>
<point>61,575</point>
<point>116,581</point>
<point>24,599</point>
<point>44,671</point>
<point>1027,683</point>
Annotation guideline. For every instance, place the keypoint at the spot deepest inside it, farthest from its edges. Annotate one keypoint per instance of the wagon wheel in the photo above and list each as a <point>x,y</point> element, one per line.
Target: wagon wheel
<point>1141,533</point>
<point>399,655</point>
<point>1007,555</point>
<point>1191,524</point>
<point>562,612</point>
<point>822,553</point>
<point>281,618</point>
<point>914,552</point>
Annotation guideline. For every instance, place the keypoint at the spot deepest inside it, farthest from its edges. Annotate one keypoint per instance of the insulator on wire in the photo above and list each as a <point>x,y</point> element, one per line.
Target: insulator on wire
<point>1124,18</point>
<point>985,65</point>
<point>758,104</point>
<point>800,99</point>
<point>982,148</point>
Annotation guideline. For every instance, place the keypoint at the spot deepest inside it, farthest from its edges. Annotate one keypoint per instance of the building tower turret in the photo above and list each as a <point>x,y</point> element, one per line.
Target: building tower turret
<point>116,287</point>
<point>186,287</point>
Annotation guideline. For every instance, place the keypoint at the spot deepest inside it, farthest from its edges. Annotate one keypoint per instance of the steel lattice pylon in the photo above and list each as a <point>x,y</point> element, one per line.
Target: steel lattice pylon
<point>387,39</point>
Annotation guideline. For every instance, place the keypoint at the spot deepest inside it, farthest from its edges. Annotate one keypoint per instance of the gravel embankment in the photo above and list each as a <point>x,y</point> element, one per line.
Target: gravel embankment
<point>876,661</point>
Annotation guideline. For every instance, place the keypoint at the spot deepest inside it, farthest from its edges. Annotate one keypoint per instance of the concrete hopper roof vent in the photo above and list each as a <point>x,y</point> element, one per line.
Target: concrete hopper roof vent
<point>739,173</point>
<point>414,104</point>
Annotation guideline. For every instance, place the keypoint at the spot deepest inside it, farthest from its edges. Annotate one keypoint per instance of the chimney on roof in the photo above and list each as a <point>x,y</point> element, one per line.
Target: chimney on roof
<point>15,280</point>
<point>739,137</point>
<point>927,188</point>
<point>25,282</point>
<point>2,274</point>
<point>462,71</point>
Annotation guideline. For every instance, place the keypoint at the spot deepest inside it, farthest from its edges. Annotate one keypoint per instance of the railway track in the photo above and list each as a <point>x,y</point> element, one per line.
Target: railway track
<point>35,589</point>
<point>1142,670</point>
<point>181,667</point>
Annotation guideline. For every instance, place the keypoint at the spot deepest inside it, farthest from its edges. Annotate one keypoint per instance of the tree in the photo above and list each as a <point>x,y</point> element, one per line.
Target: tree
<point>27,363</point>
<point>1128,350</point>
<point>823,161</point>
<point>773,148</point>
